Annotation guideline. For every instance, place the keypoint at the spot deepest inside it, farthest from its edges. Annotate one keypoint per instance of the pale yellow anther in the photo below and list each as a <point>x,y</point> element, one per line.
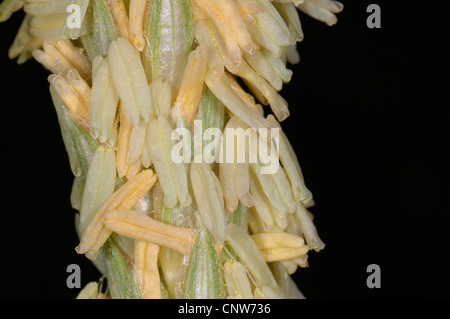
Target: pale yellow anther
<point>146,261</point>
<point>124,198</point>
<point>45,7</point>
<point>139,226</point>
<point>76,58</point>
<point>81,87</point>
<point>234,171</point>
<point>46,60</point>
<point>134,169</point>
<point>102,238</point>
<point>260,64</point>
<point>72,99</point>
<point>8,7</point>
<point>277,254</point>
<point>246,97</point>
<point>237,25</point>
<point>256,93</point>
<point>290,266</point>
<point>130,81</point>
<point>223,91</point>
<point>100,182</point>
<point>205,38</point>
<point>21,40</point>
<point>172,175</point>
<point>192,85</point>
<point>47,26</point>
<point>137,12</point>
<point>292,55</point>
<point>231,46</point>
<point>123,142</point>
<point>27,53</point>
<point>103,104</point>
<point>301,261</point>
<point>161,96</point>
<point>62,62</point>
<point>236,280</point>
<point>277,103</point>
<point>322,10</point>
<point>270,240</point>
<point>289,13</point>
<point>292,167</point>
<point>119,14</point>
<point>209,198</point>
<point>137,142</point>
<point>276,246</point>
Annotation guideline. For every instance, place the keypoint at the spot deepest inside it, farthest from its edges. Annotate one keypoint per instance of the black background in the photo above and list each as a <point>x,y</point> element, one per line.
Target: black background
<point>370,122</point>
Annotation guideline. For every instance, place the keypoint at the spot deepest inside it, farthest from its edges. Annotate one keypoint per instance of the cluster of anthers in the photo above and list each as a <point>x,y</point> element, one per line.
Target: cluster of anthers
<point>125,74</point>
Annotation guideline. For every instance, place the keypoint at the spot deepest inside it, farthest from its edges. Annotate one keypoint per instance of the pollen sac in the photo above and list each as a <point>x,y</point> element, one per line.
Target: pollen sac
<point>289,13</point>
<point>276,246</point>
<point>172,176</point>
<point>161,97</point>
<point>22,39</point>
<point>322,10</point>
<point>46,7</point>
<point>47,26</point>
<point>100,182</point>
<point>270,30</point>
<point>236,280</point>
<point>287,286</point>
<point>192,85</point>
<point>103,105</point>
<point>223,90</point>
<point>292,168</point>
<point>130,81</point>
<point>209,199</point>
<point>250,256</point>
<point>8,7</point>
<point>308,228</point>
<point>137,13</point>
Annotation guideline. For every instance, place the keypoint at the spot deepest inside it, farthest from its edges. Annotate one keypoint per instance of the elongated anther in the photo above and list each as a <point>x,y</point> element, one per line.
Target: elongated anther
<point>237,25</point>
<point>139,226</point>
<point>250,255</point>
<point>130,81</point>
<point>146,261</point>
<point>278,254</point>
<point>119,14</point>
<point>100,183</point>
<point>192,85</point>
<point>209,199</point>
<point>270,240</point>
<point>124,198</point>
<point>137,12</point>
